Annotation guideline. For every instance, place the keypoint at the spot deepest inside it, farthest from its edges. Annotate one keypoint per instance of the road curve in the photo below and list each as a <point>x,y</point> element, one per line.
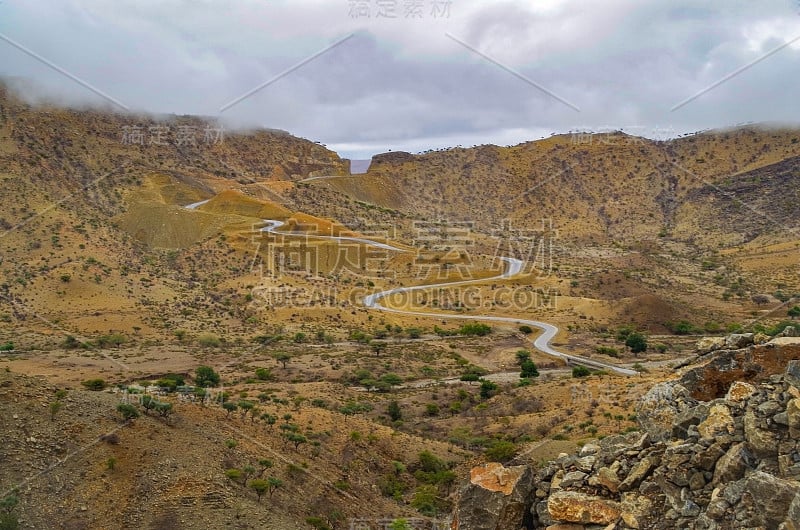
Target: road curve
<point>513,267</point>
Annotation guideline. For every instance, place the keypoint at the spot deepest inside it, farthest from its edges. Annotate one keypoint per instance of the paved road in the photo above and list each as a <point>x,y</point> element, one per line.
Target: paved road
<point>513,267</point>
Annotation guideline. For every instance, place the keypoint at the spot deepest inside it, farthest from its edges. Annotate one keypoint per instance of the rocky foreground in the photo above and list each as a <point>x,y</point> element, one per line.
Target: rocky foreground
<point>719,448</point>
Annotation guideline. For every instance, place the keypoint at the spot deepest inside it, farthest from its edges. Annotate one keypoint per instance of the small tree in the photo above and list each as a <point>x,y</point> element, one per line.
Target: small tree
<point>264,464</point>
<point>394,411</point>
<point>283,358</point>
<point>269,419</point>
<point>529,369</point>
<point>488,388</point>
<point>229,407</point>
<point>274,484</point>
<point>580,371</point>
<point>522,356</point>
<point>637,342</point>
<point>260,486</point>
<point>205,376</point>
<point>378,346</point>
<point>794,312</point>
<point>392,379</point>
<point>127,411</point>
<point>246,407</point>
<point>296,439</point>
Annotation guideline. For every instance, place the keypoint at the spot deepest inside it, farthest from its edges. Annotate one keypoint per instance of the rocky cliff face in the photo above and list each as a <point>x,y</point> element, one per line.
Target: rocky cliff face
<point>723,462</point>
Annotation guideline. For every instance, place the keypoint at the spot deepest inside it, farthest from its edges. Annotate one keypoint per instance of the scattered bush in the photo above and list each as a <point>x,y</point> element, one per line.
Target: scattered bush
<point>94,384</point>
<point>580,371</point>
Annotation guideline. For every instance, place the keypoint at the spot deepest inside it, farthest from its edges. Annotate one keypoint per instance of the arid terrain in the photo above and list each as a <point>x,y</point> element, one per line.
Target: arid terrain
<point>167,362</point>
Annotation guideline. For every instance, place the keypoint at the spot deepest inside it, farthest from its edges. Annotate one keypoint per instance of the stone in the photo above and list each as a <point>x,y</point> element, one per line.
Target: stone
<point>685,419</point>
<point>772,496</point>
<point>607,478</point>
<point>496,497</point>
<point>697,481</point>
<point>794,511</point>
<point>573,478</point>
<point>738,341</point>
<point>708,458</point>
<point>732,465</point>
<point>709,344</point>
<point>585,463</point>
<point>690,509</point>
<point>637,474</point>
<point>793,418</point>
<point>589,449</point>
<point>761,442</point>
<point>781,418</point>
<point>718,421</point>
<point>565,527</point>
<point>636,510</point>
<point>761,338</point>
<point>576,507</point>
<point>739,391</point>
<point>789,331</point>
<point>769,408</point>
<point>792,375</point>
<point>658,408</point>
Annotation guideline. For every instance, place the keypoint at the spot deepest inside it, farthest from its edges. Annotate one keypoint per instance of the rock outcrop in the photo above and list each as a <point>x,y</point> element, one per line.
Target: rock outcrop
<point>495,498</point>
<point>732,461</point>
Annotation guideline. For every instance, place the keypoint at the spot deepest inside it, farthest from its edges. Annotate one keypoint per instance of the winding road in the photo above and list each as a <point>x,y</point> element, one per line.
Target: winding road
<point>513,267</point>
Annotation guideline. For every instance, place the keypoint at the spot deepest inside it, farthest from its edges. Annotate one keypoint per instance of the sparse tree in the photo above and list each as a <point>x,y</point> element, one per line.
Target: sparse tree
<point>205,376</point>
<point>378,346</point>
<point>394,411</point>
<point>274,484</point>
<point>127,411</point>
<point>528,369</point>
<point>260,486</point>
<point>283,358</point>
<point>229,407</point>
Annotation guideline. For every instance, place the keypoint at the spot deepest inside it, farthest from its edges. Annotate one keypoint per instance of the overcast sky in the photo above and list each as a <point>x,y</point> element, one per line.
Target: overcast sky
<point>418,74</point>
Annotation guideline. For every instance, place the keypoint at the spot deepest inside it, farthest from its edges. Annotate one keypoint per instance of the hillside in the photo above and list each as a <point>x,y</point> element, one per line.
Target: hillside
<point>135,249</point>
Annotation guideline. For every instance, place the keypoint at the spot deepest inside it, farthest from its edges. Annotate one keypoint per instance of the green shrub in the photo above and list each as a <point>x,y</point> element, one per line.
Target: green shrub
<point>580,371</point>
<point>94,384</point>
<point>501,451</point>
<point>475,328</point>
<point>127,411</point>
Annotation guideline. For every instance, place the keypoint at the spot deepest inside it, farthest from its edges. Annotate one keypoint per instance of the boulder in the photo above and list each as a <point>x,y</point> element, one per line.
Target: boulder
<point>637,474</point>
<point>792,375</point>
<point>660,406</point>
<point>688,418</point>
<point>772,496</point>
<point>761,442</point>
<point>496,497</point>
<point>709,344</point>
<point>738,341</point>
<point>739,391</point>
<point>573,478</point>
<point>793,418</point>
<point>718,421</point>
<point>732,465</point>
<point>607,478</point>
<point>576,507</point>
<point>636,510</point>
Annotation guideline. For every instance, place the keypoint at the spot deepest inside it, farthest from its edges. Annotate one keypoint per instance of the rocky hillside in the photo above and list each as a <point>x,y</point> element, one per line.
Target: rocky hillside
<point>605,187</point>
<point>719,448</point>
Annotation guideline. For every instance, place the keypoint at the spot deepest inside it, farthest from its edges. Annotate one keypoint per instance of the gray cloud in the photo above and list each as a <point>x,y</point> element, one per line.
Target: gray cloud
<point>401,83</point>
